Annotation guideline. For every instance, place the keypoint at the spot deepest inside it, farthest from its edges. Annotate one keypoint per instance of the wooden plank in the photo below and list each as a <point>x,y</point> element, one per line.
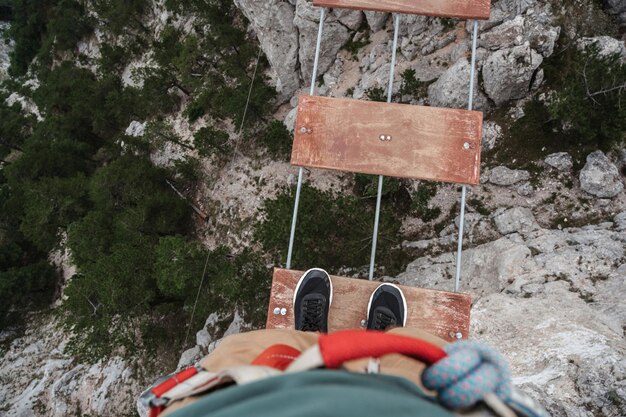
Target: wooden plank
<point>461,9</point>
<point>419,142</point>
<point>437,312</point>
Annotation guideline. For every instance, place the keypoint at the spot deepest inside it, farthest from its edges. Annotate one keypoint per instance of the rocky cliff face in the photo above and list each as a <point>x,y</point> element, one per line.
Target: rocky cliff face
<point>545,262</point>
<point>550,301</point>
<point>5,49</point>
<point>37,377</point>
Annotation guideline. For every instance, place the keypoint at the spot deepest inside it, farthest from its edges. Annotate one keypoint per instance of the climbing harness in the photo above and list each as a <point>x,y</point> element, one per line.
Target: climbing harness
<point>463,374</point>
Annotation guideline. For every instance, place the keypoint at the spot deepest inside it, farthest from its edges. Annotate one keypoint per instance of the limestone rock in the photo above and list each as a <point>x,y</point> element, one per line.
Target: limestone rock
<point>600,176</point>
<point>290,119</point>
<point>376,20</point>
<point>606,45</point>
<point>620,221</point>
<point>552,302</point>
<point>334,37</point>
<point>506,35</point>
<point>526,189</point>
<point>350,18</point>
<point>560,349</point>
<point>452,88</point>
<point>502,175</point>
<point>421,35</point>
<point>561,161</point>
<point>39,378</point>
<point>508,73</point>
<point>521,31</point>
<point>273,23</point>
<point>135,129</point>
<point>5,50</point>
<point>486,268</point>
<point>189,357</point>
<point>492,132</point>
<point>515,219</point>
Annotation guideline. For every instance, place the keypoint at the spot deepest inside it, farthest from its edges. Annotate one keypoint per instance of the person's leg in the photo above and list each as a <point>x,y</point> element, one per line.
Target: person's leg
<point>312,300</point>
<point>242,349</point>
<point>387,312</point>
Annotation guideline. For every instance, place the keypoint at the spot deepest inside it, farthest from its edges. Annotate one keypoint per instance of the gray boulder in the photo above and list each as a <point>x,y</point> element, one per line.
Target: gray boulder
<point>492,132</point>
<point>508,73</point>
<point>376,20</point>
<point>620,221</point>
<point>350,18</point>
<point>605,45</point>
<point>560,350</point>
<point>552,302</point>
<point>600,176</point>
<point>521,31</point>
<point>452,88</point>
<point>560,160</point>
<point>273,23</point>
<point>5,51</point>
<point>334,37</point>
<point>515,219</point>
<point>504,176</point>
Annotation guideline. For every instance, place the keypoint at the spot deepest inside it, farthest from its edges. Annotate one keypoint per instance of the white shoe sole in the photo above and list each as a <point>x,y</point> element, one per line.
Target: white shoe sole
<point>369,304</point>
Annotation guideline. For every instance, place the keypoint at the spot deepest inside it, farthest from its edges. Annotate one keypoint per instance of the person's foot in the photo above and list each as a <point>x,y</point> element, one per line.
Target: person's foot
<point>386,308</point>
<point>312,299</point>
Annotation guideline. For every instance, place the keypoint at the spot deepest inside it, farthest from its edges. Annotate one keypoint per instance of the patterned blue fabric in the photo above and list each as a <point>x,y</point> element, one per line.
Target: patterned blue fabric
<point>469,372</point>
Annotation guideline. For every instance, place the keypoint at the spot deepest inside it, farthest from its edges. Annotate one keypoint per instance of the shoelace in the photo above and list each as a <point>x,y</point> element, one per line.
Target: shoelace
<point>312,310</point>
<point>383,320</point>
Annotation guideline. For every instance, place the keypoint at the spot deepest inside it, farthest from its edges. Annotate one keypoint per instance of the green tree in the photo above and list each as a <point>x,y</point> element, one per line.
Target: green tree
<point>113,247</point>
<point>120,15</point>
<point>333,230</point>
<point>277,139</point>
<point>28,29</point>
<point>209,140</point>
<point>68,24</point>
<point>50,205</point>
<point>589,89</point>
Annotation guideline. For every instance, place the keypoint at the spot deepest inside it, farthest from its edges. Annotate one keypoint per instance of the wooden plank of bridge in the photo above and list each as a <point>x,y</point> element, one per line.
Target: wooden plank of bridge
<point>461,9</point>
<point>437,312</point>
<point>397,140</point>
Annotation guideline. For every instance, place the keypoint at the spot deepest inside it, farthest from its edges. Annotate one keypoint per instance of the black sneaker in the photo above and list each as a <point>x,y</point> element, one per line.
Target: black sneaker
<point>311,301</point>
<point>387,308</point>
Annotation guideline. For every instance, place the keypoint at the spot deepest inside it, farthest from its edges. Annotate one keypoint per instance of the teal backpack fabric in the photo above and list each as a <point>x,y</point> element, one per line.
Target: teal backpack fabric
<point>318,393</point>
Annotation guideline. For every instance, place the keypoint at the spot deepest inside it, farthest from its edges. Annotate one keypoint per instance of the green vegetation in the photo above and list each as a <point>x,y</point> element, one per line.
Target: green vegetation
<point>420,204</point>
<point>277,139</point>
<point>376,94</point>
<point>75,179</point>
<point>580,109</point>
<point>6,10</point>
<point>209,140</point>
<point>411,86</point>
<point>448,23</point>
<point>589,93</point>
<point>354,46</point>
<point>582,112</point>
<point>367,186</point>
<point>333,230</point>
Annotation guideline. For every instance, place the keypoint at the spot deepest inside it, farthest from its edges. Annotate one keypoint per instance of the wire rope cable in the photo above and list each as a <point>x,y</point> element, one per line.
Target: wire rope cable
<point>268,18</point>
<point>294,219</point>
<point>380,177</point>
<point>470,103</point>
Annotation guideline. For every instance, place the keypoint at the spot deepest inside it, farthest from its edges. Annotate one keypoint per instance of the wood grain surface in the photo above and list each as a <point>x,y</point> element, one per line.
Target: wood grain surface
<point>461,9</point>
<point>437,312</point>
<point>397,140</point>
